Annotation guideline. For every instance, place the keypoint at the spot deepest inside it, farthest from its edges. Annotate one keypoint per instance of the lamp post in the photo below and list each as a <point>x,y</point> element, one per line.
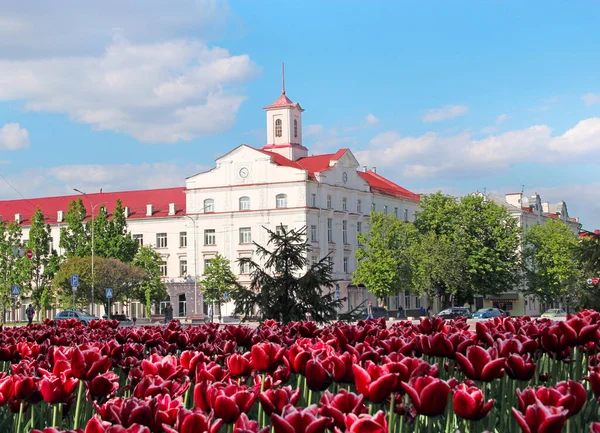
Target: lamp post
<point>195,267</point>
<point>92,206</point>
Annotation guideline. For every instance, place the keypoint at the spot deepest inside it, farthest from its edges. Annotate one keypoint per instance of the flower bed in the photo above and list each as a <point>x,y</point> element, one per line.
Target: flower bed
<point>505,375</point>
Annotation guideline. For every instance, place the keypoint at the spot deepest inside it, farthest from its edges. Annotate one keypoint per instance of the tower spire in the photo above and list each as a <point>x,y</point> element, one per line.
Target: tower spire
<point>282,78</point>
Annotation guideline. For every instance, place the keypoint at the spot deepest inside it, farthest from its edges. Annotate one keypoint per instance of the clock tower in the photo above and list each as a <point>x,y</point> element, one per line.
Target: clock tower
<point>284,126</point>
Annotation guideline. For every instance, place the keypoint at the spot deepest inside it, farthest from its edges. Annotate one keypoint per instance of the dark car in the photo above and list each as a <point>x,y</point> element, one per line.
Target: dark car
<point>378,313</point>
<point>121,318</point>
<point>454,312</point>
<point>75,313</point>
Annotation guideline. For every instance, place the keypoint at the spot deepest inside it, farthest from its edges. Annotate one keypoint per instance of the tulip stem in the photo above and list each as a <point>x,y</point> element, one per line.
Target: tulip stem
<point>20,417</point>
<point>391,414</point>
<point>55,415</point>
<point>261,415</point>
<point>32,417</point>
<point>77,407</point>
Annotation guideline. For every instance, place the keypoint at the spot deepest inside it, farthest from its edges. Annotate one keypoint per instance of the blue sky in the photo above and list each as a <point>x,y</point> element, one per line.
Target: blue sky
<point>458,96</point>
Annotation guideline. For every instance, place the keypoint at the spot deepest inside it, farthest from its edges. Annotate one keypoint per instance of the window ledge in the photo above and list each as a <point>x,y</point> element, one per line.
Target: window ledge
<point>210,245</point>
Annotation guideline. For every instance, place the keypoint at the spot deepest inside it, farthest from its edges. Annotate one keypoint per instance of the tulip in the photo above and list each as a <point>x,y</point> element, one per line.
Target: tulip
<point>94,425</point>
<point>151,386</point>
<point>56,430</point>
<point>593,378</point>
<point>6,388</point>
<point>194,421</point>
<point>274,400</point>
<point>365,423</point>
<point>298,358</point>
<point>227,401</point>
<point>429,395</point>
<point>576,391</point>
<point>338,405</point>
<point>239,365</point>
<point>595,427</point>
<point>468,403</point>
<point>57,389</point>
<point>375,383</point>
<point>265,357</point>
<point>569,395</point>
<point>481,364</point>
<point>519,367</point>
<point>539,418</point>
<point>317,377</point>
<point>166,367</point>
<point>104,386</point>
<point>88,363</point>
<point>294,420</point>
<point>245,425</point>
<point>439,346</point>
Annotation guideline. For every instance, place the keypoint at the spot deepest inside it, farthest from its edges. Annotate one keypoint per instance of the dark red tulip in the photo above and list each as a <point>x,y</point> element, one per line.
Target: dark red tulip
<point>266,357</point>
<point>317,377</point>
<point>468,403</point>
<point>338,405</point>
<point>104,386</point>
<point>481,364</point>
<point>376,383</point>
<point>294,420</point>
<point>569,395</point>
<point>576,391</point>
<point>94,425</point>
<point>298,357</point>
<point>166,367</point>
<point>151,386</point>
<point>520,367</point>
<point>194,421</point>
<point>57,389</point>
<point>438,345</point>
<point>227,401</point>
<point>582,330</point>
<point>245,425</point>
<point>88,363</point>
<point>364,423</point>
<point>274,400</point>
<point>594,379</point>
<point>24,388</point>
<point>239,365</point>
<point>541,419</point>
<point>595,427</point>
<point>56,430</point>
<point>429,395</point>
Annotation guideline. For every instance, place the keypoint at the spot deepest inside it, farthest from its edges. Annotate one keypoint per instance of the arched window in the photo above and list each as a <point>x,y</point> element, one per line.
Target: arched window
<point>278,128</point>
<point>295,127</point>
<point>244,203</point>
<point>281,200</point>
<point>209,205</point>
<point>344,203</point>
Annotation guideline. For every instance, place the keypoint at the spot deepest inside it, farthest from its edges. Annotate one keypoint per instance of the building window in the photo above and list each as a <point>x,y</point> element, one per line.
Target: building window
<point>396,212</point>
<point>385,210</point>
<point>182,268</point>
<point>244,268</point>
<point>161,240</point>
<point>210,237</point>
<point>280,229</point>
<point>295,127</point>
<point>314,260</point>
<point>183,239</point>
<point>373,206</point>
<point>209,205</point>
<point>278,128</point>
<point>139,239</point>
<point>329,202</point>
<point>206,264</point>
<point>358,206</point>
<point>313,200</point>
<point>313,233</point>
<point>50,245</point>
<point>329,230</point>
<point>345,265</point>
<point>359,227</point>
<point>405,215</point>
<point>406,302</point>
<point>417,302</point>
<point>163,268</point>
<point>245,235</point>
<point>281,200</point>
<point>344,204</point>
<point>244,203</point>
<point>345,231</point>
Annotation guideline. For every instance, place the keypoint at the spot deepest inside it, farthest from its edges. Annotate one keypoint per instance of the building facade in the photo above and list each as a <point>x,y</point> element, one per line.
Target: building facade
<point>224,210</point>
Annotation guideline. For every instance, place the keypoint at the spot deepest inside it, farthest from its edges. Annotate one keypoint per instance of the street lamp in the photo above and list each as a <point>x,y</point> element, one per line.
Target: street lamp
<point>195,267</point>
<point>93,206</point>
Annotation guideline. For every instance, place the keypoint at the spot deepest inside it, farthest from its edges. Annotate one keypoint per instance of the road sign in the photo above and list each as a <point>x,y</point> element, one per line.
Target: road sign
<point>595,281</point>
<point>29,254</point>
<point>108,293</point>
<point>337,291</point>
<point>590,282</point>
<point>74,280</point>
<point>15,290</point>
<point>226,296</point>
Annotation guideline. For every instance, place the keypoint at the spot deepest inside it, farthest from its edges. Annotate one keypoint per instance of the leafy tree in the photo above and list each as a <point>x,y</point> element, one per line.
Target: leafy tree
<point>285,286</point>
<point>74,238</point>
<point>40,269</point>
<point>111,238</point>
<point>385,260</point>
<point>152,289</point>
<point>549,263</point>
<point>483,233</point>
<point>10,268</point>
<point>588,255</point>
<point>218,281</point>
<point>122,277</point>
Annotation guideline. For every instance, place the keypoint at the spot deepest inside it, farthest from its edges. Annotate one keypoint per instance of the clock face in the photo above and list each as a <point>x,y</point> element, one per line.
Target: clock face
<point>244,172</point>
<point>345,177</point>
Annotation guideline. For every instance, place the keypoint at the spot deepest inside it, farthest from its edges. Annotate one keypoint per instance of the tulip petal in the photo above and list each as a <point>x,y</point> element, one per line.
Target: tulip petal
<point>466,366</point>
<point>434,398</point>
<point>493,370</point>
<point>521,420</point>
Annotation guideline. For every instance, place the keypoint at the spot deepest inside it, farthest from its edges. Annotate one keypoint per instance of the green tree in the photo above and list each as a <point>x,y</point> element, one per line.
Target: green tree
<point>74,238</point>
<point>588,255</point>
<point>152,289</point>
<point>40,269</point>
<point>11,271</point>
<point>551,269</point>
<point>122,277</point>
<point>111,238</point>
<point>285,286</point>
<point>218,281</point>
<point>385,257</point>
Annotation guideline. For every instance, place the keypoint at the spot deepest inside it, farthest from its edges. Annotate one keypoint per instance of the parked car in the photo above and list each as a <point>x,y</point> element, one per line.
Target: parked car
<point>488,313</point>
<point>378,313</point>
<point>454,312</point>
<point>554,312</point>
<point>75,313</point>
<point>122,318</point>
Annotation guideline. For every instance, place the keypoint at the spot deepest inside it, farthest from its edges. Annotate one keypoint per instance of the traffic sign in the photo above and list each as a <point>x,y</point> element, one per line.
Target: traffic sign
<point>74,280</point>
<point>29,254</point>
<point>15,290</point>
<point>337,291</point>
<point>108,293</point>
<point>590,282</point>
<point>595,281</point>
<point>226,296</point>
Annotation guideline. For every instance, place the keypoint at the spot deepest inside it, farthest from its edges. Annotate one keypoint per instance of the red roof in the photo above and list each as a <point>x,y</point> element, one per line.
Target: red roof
<point>136,201</point>
<point>381,185</point>
<point>283,101</point>
<point>318,163</point>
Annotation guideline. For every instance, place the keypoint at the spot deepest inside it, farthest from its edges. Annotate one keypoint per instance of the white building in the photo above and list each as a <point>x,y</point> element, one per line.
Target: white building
<point>222,211</point>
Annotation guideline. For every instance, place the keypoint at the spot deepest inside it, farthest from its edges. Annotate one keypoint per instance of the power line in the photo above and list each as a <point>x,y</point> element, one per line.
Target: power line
<point>17,191</point>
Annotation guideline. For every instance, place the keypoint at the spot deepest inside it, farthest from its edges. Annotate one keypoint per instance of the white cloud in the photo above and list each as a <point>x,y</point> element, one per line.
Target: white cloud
<point>447,112</point>
<point>315,129</point>
<point>371,120</point>
<point>502,118</point>
<point>432,154</point>
<point>13,137</point>
<point>591,99</point>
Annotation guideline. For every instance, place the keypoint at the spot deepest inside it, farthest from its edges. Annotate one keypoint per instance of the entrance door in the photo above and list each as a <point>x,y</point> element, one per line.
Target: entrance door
<point>182,305</point>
